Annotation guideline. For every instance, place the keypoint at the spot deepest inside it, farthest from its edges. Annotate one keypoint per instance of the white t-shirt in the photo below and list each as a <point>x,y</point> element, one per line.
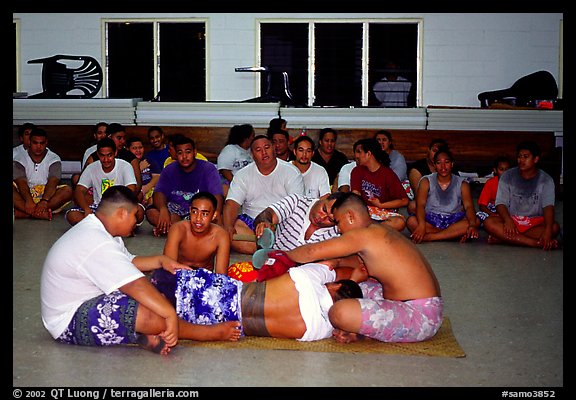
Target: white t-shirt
<point>393,93</point>
<point>255,191</point>
<point>88,153</point>
<point>316,181</point>
<point>84,263</point>
<point>344,174</point>
<point>234,158</point>
<point>17,150</point>
<point>37,174</point>
<point>94,177</point>
<point>314,299</point>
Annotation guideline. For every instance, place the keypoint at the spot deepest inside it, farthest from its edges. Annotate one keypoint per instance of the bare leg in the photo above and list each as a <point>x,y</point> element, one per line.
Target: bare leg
<point>398,223</point>
<point>224,331</point>
<point>242,246</point>
<point>495,227</point>
<point>454,231</point>
<point>346,317</point>
<point>149,323</point>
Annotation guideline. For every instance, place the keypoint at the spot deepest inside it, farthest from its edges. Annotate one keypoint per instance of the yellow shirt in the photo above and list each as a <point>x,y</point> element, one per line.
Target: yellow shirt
<point>169,160</point>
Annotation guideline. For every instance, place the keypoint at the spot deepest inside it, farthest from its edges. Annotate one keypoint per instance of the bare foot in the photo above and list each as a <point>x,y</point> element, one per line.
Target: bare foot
<point>154,343</point>
<point>157,232</point>
<point>346,337</point>
<point>46,214</point>
<point>229,330</point>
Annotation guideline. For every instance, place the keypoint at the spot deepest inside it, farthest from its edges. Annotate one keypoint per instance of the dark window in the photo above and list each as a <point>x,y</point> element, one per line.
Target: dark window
<point>338,64</point>
<point>182,65</point>
<point>285,49</point>
<point>392,43</point>
<point>338,77</point>
<point>182,62</point>
<point>130,60</point>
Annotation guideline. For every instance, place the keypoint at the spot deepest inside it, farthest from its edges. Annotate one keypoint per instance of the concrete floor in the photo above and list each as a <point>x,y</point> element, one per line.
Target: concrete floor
<point>505,305</point>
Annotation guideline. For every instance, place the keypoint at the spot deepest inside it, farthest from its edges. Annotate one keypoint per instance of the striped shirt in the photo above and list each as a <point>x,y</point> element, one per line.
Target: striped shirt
<point>293,213</point>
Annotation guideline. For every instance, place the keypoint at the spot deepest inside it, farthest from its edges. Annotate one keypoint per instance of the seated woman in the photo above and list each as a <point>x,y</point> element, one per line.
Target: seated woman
<point>423,166</point>
<point>397,160</point>
<point>236,153</point>
<point>377,184</point>
<point>444,205</point>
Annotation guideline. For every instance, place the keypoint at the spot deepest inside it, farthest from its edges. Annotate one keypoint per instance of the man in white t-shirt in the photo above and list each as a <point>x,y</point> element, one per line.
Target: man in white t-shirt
<point>94,292</point>
<point>316,181</point>
<point>254,188</point>
<point>36,174</point>
<point>99,176</point>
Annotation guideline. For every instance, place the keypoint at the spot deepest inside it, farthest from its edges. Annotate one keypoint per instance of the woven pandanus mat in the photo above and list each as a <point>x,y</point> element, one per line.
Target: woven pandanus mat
<point>443,344</point>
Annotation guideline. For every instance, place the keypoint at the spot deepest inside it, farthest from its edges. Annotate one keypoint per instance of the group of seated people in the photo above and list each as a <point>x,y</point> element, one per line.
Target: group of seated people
<point>334,228</point>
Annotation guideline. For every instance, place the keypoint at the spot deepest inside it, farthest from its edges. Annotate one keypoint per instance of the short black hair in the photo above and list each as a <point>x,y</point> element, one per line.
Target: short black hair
<point>106,142</point>
<point>239,133</point>
<point>24,127</point>
<point>155,128</point>
<point>324,131</point>
<point>118,196</point>
<point>258,137</point>
<point>371,145</point>
<point>38,132</point>
<point>114,127</point>
<point>270,134</point>
<point>205,195</point>
<point>182,139</point>
<point>529,145</point>
<point>133,139</point>
<point>349,289</point>
<point>445,150</point>
<point>346,198</point>
<point>302,139</point>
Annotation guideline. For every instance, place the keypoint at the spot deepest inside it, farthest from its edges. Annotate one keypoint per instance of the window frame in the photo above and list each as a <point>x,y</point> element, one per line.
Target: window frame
<point>419,22</point>
<point>156,47</point>
<point>17,27</point>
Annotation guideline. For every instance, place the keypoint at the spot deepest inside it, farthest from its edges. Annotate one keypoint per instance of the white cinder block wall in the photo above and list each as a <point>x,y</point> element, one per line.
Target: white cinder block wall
<point>463,53</point>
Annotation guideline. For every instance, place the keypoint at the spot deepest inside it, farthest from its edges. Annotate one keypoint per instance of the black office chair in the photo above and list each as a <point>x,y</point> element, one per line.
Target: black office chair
<point>58,79</point>
<point>277,86</point>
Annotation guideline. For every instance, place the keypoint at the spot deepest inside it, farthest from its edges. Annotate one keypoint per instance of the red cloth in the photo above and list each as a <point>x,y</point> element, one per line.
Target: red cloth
<point>243,271</point>
<point>277,264</point>
<point>488,194</point>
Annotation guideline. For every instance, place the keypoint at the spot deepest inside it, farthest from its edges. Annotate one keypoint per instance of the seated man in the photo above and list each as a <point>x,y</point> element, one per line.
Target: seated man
<point>94,292</point>
<point>178,182</point>
<point>525,204</point>
<point>294,305</point>
<point>97,177</point>
<point>36,173</point>
<point>411,307</point>
<point>259,184</point>
<point>197,243</point>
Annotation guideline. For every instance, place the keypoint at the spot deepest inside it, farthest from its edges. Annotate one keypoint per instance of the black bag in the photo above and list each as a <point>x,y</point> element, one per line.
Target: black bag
<point>525,92</point>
